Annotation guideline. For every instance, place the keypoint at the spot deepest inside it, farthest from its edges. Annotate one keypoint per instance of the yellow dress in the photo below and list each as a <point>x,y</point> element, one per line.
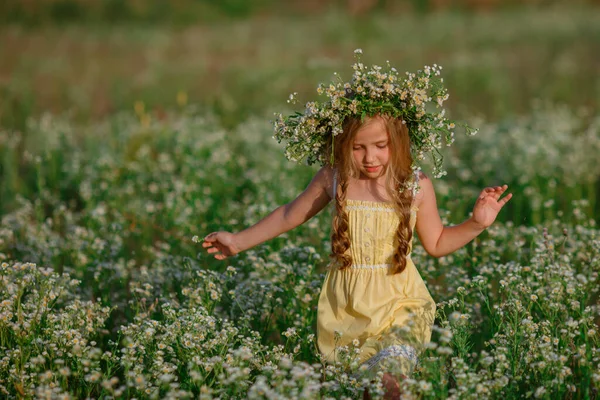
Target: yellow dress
<point>383,317</point>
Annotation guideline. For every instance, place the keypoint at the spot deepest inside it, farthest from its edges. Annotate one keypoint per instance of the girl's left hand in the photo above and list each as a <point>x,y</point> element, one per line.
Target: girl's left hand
<point>489,204</point>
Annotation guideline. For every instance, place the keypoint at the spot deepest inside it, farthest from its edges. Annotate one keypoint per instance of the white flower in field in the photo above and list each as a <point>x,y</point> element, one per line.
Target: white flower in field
<point>244,353</point>
<point>539,392</point>
<point>444,350</point>
<point>487,361</point>
<point>480,388</point>
<point>139,380</point>
<point>166,378</point>
<point>546,339</point>
<point>445,335</point>
<point>109,383</point>
<point>93,376</point>
<point>431,345</point>
<point>455,316</point>
<point>425,386</point>
<point>46,376</point>
<point>575,305</point>
<point>285,363</point>
<point>563,359</point>
<point>290,332</point>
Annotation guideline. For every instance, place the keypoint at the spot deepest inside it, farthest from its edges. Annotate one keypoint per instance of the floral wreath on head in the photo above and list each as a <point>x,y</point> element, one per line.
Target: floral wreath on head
<point>416,98</point>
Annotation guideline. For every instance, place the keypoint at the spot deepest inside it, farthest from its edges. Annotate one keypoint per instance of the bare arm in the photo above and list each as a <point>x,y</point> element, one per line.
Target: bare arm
<point>284,218</point>
<point>439,240</point>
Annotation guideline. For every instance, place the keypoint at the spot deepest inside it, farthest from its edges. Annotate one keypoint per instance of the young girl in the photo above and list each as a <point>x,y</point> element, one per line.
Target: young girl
<point>373,298</point>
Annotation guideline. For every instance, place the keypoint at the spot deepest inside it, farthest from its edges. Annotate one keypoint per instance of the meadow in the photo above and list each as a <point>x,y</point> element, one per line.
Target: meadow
<point>121,147</point>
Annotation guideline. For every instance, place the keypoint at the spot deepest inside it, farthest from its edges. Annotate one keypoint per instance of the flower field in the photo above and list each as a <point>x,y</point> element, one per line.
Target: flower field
<point>105,291</point>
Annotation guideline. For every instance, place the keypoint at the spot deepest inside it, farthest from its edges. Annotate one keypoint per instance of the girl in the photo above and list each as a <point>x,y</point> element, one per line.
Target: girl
<point>373,298</point>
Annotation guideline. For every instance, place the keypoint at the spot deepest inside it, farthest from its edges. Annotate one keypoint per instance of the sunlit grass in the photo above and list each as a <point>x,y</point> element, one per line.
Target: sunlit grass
<point>494,64</point>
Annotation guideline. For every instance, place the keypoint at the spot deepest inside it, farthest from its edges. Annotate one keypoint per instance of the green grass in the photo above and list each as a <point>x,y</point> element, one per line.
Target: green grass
<point>106,196</point>
<point>149,314</point>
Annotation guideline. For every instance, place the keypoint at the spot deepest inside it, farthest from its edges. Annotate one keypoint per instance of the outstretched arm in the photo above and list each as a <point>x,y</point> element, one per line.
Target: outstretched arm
<point>439,240</point>
<point>284,218</point>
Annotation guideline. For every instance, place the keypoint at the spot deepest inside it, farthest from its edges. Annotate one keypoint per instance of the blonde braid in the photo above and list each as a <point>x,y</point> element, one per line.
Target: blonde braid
<point>340,242</point>
<point>403,201</point>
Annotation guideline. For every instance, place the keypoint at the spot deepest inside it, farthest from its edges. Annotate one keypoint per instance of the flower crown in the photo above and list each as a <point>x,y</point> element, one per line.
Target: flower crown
<point>370,92</point>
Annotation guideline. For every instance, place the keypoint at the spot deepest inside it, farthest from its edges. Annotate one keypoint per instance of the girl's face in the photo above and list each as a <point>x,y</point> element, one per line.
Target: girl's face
<point>371,148</point>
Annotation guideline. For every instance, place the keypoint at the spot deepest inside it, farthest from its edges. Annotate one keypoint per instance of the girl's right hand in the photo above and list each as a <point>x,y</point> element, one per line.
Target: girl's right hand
<point>222,243</point>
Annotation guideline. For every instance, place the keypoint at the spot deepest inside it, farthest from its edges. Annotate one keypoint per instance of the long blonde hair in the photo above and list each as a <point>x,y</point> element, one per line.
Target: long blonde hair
<point>398,174</point>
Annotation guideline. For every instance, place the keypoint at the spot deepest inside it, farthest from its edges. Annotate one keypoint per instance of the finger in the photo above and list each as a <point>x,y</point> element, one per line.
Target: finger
<point>220,256</point>
<point>212,250</point>
<point>206,244</point>
<point>497,193</point>
<point>501,190</point>
<point>505,199</point>
<point>485,193</point>
<point>211,237</point>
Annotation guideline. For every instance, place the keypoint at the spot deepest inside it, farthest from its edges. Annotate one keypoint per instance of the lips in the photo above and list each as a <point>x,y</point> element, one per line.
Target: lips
<point>372,169</point>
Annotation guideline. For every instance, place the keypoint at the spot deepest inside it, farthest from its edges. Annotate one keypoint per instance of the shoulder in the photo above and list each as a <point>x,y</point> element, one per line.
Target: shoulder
<point>325,173</point>
<point>425,188</point>
<point>325,179</point>
<point>421,175</point>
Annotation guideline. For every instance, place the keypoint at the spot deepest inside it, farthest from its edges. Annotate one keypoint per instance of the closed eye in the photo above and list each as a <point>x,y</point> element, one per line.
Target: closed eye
<point>378,145</point>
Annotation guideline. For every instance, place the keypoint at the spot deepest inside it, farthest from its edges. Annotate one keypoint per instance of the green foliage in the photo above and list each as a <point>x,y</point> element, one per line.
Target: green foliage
<point>154,316</point>
<point>122,302</point>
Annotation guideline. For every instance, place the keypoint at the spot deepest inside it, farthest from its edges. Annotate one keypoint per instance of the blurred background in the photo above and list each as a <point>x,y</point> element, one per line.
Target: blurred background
<point>524,72</point>
<point>238,58</point>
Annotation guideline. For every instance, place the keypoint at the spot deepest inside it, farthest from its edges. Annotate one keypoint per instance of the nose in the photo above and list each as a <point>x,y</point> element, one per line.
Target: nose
<point>369,156</point>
